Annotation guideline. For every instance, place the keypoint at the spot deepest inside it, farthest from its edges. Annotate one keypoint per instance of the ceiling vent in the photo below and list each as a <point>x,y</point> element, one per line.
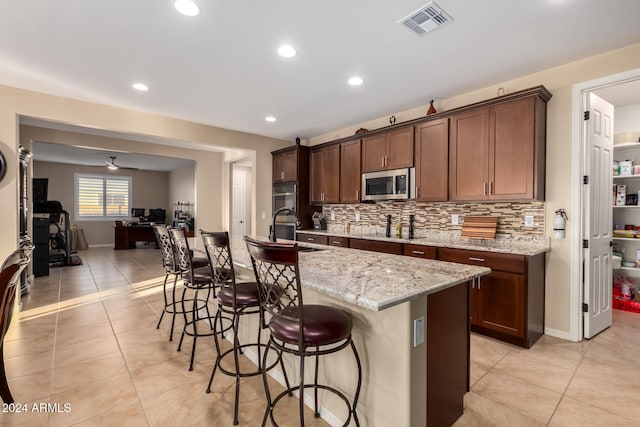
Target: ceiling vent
<point>426,19</point>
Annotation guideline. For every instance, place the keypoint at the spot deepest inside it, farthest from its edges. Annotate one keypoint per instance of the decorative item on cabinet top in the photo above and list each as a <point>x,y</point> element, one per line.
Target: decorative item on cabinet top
<point>361,131</point>
<point>432,109</point>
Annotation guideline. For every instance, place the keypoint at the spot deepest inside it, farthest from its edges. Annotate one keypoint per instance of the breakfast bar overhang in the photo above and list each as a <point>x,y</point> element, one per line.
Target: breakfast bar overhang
<point>404,381</point>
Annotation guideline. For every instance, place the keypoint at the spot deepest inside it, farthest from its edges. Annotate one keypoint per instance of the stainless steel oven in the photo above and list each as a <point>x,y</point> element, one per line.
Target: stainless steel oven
<point>397,184</point>
<point>284,195</point>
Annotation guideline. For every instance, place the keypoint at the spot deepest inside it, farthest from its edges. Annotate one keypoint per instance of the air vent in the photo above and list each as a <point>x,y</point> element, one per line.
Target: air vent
<point>426,19</point>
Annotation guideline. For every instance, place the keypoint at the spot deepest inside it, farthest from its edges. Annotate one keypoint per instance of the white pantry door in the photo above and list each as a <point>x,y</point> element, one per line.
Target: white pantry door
<point>598,215</point>
<point>238,203</point>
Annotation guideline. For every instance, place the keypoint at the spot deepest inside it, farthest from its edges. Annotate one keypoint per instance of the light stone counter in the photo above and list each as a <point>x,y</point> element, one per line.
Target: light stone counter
<point>372,280</point>
<point>526,245</point>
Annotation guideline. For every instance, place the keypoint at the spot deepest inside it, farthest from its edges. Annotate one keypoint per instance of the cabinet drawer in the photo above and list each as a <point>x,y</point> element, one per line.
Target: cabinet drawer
<point>495,261</point>
<point>342,242</point>
<point>419,251</point>
<point>311,238</point>
<point>376,246</point>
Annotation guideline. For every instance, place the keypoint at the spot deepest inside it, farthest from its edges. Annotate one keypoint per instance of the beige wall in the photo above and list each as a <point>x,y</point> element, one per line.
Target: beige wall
<point>559,189</point>
<point>182,187</point>
<point>16,102</point>
<point>149,190</point>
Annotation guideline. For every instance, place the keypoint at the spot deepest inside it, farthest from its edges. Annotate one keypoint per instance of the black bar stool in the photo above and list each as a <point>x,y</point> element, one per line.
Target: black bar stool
<point>234,300</point>
<point>171,304</point>
<point>12,267</point>
<point>198,280</point>
<point>298,329</point>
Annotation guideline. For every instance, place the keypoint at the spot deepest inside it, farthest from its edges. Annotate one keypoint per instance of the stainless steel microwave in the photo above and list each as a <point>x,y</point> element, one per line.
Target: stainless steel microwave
<point>397,184</point>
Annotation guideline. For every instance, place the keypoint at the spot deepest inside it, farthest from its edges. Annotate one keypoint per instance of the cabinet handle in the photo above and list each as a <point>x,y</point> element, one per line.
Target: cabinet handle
<point>386,161</point>
<point>471,258</point>
<point>417,252</point>
<point>357,195</point>
<point>491,190</point>
<point>479,283</point>
<point>417,192</point>
<point>281,174</point>
<point>484,188</point>
<point>310,239</point>
<point>335,242</point>
<point>382,161</point>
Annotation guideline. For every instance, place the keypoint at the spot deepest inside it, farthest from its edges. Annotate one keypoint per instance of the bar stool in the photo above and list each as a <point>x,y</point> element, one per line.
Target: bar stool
<point>298,329</point>
<point>198,280</point>
<point>171,305</point>
<point>12,267</point>
<point>234,300</point>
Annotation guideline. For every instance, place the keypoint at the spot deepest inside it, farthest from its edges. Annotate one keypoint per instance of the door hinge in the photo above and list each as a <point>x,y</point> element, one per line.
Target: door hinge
<point>586,115</point>
<point>585,244</point>
<point>585,307</point>
<point>585,179</point>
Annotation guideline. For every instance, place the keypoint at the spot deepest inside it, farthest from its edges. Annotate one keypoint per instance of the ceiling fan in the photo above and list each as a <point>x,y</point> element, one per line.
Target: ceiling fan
<point>112,164</point>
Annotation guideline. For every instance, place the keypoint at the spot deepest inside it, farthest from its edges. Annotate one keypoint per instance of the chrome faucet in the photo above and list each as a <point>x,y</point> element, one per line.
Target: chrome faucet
<point>272,227</point>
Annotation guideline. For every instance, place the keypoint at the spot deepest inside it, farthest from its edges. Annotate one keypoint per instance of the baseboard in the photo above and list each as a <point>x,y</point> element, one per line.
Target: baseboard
<point>558,334</point>
<point>101,245</point>
<point>325,414</point>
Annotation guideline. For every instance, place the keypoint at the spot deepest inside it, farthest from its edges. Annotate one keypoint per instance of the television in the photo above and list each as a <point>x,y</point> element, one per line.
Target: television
<point>137,212</point>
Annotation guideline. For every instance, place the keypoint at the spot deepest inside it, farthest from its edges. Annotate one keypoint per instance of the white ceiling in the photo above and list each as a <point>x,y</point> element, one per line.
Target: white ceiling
<point>221,67</point>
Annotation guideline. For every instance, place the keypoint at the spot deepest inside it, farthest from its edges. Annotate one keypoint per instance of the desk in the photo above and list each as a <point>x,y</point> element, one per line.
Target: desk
<point>127,236</point>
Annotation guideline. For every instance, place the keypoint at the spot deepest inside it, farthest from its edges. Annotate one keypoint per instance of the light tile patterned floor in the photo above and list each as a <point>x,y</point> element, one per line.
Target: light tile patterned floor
<point>87,337</point>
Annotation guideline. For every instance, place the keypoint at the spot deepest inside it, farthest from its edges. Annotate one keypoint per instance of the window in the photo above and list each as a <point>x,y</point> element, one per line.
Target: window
<point>102,197</point>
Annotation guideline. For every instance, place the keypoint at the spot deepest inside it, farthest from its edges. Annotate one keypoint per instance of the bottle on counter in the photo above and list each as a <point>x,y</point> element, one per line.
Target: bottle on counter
<point>398,230</point>
<point>388,229</point>
<point>346,227</point>
<point>412,218</point>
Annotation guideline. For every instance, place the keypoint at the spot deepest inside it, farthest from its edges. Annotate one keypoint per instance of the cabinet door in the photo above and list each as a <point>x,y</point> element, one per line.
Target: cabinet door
<point>331,178</point>
<point>316,166</point>
<point>290,165</point>
<point>350,176</point>
<point>432,160</point>
<point>374,153</point>
<point>400,148</point>
<point>278,168</point>
<point>511,150</point>
<point>419,251</point>
<point>500,303</point>
<point>469,156</point>
<point>473,303</point>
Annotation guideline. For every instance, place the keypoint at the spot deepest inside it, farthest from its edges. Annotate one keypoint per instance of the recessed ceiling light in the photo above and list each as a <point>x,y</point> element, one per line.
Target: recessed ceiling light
<point>140,86</point>
<point>286,51</point>
<point>355,81</point>
<point>270,119</point>
<point>187,7</point>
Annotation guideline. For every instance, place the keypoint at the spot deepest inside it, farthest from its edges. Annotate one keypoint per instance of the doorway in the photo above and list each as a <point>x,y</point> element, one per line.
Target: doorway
<point>591,275</point>
<point>240,199</point>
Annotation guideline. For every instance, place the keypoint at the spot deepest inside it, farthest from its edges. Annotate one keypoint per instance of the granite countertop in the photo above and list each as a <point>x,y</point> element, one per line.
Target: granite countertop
<point>371,280</point>
<point>509,245</point>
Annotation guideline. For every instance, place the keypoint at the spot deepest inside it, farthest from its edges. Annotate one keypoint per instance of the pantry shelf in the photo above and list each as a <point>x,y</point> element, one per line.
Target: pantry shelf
<point>627,238</point>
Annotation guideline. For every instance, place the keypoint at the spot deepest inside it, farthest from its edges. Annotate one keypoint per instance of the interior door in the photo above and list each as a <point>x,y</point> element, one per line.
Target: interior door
<point>598,131</point>
<point>238,203</point>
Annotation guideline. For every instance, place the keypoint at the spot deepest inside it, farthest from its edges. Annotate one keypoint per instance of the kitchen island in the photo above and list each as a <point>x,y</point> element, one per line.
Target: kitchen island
<point>408,379</point>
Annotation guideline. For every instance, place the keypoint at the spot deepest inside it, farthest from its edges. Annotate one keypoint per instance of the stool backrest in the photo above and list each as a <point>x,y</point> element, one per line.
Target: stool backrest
<point>182,252</point>
<point>9,277</point>
<point>216,244</point>
<point>276,268</point>
<point>166,247</point>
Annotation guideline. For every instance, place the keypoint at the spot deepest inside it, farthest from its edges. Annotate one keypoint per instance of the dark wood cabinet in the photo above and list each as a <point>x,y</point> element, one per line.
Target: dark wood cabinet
<point>419,251</point>
<point>507,304</point>
<point>350,172</point>
<point>312,238</point>
<point>497,151</point>
<point>285,165</point>
<point>376,246</point>
<point>388,150</point>
<point>432,160</point>
<point>324,166</point>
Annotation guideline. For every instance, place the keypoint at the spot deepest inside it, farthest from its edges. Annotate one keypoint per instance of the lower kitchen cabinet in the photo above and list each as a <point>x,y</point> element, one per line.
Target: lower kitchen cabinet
<point>376,246</point>
<point>419,251</point>
<point>507,304</point>
<point>312,238</point>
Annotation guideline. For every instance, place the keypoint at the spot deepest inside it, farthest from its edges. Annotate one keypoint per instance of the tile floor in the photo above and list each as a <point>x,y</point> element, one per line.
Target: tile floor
<point>87,337</point>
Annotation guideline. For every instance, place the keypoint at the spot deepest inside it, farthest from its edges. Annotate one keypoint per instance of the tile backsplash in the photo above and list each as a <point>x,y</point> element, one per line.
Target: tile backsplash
<point>437,216</point>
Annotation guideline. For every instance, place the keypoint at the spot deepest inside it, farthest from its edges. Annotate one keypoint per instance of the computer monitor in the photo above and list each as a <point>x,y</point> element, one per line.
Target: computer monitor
<point>157,215</point>
<point>137,212</point>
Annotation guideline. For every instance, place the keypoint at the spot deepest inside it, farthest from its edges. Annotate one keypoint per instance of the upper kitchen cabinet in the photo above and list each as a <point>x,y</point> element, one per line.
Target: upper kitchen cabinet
<point>350,172</point>
<point>285,165</point>
<point>497,150</point>
<point>325,175</point>
<point>432,160</point>
<point>388,150</point>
